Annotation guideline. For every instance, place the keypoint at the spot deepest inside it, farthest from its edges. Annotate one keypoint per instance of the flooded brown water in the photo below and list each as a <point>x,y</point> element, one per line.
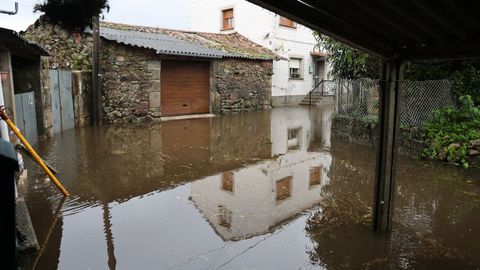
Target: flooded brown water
<point>264,190</point>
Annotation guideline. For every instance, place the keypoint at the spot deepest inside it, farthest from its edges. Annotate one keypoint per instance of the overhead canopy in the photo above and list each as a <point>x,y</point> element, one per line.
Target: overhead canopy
<point>407,29</point>
<point>20,46</point>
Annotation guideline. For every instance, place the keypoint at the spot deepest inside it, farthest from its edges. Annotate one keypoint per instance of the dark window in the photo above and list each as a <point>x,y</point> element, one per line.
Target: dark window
<point>284,188</point>
<point>315,175</point>
<point>227,16</point>
<point>227,181</point>
<point>295,68</point>
<point>287,22</point>
<point>294,138</point>
<point>224,217</point>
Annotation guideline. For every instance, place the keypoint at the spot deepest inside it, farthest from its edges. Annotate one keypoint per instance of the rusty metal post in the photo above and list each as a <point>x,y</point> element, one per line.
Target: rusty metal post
<point>389,126</point>
<point>96,96</point>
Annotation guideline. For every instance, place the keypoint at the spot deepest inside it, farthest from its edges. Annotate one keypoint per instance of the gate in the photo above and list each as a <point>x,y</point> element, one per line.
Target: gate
<point>62,100</point>
<point>26,116</point>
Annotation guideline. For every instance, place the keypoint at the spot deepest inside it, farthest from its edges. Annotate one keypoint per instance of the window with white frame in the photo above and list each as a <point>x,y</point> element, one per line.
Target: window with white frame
<point>295,67</point>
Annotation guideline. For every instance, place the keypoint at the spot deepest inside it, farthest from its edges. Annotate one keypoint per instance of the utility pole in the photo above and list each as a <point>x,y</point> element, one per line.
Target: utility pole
<point>96,92</point>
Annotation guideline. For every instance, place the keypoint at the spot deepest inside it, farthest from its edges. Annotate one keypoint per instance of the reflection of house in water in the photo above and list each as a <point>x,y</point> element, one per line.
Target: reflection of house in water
<point>256,199</point>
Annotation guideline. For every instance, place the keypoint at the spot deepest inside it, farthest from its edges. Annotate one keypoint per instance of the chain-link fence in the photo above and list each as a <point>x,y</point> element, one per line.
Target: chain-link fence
<point>360,99</point>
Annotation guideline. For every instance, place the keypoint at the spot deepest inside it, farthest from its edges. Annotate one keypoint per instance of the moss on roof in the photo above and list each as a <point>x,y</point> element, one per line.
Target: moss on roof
<point>233,43</point>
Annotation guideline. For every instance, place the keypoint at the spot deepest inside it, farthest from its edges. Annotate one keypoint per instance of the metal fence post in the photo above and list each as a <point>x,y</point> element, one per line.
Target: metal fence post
<point>389,123</point>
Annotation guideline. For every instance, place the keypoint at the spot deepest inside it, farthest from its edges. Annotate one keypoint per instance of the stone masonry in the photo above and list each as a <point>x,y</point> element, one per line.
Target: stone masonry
<point>68,50</point>
<point>131,83</point>
<point>242,85</point>
<point>130,77</point>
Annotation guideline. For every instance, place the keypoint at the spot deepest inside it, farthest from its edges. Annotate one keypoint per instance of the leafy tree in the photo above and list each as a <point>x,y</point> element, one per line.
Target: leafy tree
<point>348,62</point>
<point>72,14</point>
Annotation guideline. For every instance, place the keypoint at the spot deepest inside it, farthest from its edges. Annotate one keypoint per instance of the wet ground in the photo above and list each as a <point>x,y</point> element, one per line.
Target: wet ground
<point>264,190</point>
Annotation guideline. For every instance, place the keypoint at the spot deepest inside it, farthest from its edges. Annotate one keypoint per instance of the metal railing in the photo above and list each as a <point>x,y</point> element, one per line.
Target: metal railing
<point>323,88</point>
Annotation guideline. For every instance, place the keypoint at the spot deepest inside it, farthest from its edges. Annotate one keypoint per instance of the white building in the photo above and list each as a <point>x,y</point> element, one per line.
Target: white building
<point>259,198</point>
<point>302,65</point>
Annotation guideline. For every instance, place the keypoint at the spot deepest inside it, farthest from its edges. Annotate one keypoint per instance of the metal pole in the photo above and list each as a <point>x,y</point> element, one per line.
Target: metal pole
<point>389,125</point>
<point>3,125</point>
<point>95,71</point>
<point>27,145</point>
<point>11,12</point>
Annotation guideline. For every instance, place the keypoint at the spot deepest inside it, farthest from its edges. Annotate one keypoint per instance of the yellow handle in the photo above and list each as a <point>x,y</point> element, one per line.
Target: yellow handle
<point>34,154</point>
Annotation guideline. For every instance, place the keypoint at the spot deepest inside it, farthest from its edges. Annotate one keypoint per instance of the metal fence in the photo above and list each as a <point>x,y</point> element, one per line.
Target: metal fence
<point>360,99</point>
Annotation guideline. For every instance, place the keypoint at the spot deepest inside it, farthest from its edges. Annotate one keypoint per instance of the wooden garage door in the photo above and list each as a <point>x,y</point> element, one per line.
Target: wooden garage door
<point>185,87</point>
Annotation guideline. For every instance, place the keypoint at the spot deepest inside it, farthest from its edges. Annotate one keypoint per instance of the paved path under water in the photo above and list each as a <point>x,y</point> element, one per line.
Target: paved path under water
<point>263,190</point>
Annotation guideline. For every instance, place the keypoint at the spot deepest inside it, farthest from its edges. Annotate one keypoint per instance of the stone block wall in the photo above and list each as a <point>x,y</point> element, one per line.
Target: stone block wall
<point>242,85</point>
<point>411,141</point>
<point>130,77</point>
<point>130,83</point>
<point>357,131</point>
<point>68,50</point>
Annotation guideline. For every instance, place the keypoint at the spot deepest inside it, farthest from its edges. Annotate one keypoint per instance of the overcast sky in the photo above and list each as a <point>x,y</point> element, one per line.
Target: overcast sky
<point>161,13</point>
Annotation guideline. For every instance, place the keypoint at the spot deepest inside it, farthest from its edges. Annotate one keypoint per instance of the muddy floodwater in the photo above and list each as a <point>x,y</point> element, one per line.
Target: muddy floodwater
<point>262,190</point>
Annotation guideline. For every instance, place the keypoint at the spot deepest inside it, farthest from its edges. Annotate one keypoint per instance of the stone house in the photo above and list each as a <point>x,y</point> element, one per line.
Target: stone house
<point>148,72</point>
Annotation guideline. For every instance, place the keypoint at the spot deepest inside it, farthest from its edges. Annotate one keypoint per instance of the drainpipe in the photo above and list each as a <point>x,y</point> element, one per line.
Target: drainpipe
<point>11,12</point>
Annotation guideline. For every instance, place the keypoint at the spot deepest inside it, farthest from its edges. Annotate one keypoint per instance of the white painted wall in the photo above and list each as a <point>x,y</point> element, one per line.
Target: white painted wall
<point>253,203</point>
<point>262,27</point>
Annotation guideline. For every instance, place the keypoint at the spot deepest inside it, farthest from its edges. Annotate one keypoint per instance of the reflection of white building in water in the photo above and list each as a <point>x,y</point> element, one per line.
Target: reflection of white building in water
<point>256,199</point>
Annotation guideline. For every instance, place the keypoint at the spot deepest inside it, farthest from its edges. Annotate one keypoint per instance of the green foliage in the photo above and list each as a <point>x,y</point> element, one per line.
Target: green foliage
<point>272,103</point>
<point>81,62</point>
<point>347,62</point>
<point>449,130</point>
<point>369,120</point>
<point>73,15</point>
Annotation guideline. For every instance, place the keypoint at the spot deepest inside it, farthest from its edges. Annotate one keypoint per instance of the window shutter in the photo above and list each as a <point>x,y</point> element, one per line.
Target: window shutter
<point>294,63</point>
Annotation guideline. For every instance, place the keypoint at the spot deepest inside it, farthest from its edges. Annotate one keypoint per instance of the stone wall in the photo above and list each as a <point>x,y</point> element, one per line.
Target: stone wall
<point>68,50</point>
<point>130,83</point>
<point>412,139</point>
<point>131,77</point>
<point>242,85</point>
<point>358,131</point>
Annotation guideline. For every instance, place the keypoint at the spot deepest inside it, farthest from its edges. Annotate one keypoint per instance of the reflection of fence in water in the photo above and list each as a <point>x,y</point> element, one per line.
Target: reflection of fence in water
<point>360,98</point>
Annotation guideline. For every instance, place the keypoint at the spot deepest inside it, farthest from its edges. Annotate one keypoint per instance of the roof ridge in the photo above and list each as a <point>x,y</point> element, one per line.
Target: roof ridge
<point>166,29</point>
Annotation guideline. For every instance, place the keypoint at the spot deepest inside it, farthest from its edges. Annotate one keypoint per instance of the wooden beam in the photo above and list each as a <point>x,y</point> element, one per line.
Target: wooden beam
<point>442,52</point>
<point>357,20</point>
<point>389,124</point>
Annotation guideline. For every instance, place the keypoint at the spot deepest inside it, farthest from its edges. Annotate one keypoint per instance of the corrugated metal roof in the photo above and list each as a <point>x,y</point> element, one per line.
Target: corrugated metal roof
<point>161,43</point>
<point>230,45</point>
<point>13,38</point>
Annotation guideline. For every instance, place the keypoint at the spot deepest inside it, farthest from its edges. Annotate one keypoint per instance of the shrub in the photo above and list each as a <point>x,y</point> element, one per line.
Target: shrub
<point>449,130</point>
